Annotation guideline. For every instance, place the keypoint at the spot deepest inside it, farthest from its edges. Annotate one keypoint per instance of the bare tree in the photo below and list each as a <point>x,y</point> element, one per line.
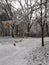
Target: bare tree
<point>28,9</point>
<point>7,9</point>
<point>46,17</point>
<point>42,29</point>
<point>41,21</point>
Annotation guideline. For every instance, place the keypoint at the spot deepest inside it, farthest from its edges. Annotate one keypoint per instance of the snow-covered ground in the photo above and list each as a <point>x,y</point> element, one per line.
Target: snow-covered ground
<point>28,51</point>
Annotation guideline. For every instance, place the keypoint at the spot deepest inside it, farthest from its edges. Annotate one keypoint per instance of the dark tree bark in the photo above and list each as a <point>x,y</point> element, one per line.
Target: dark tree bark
<point>12,30</point>
<point>47,29</point>
<point>42,27</point>
<point>46,17</point>
<point>42,37</point>
<point>12,33</point>
<point>16,30</point>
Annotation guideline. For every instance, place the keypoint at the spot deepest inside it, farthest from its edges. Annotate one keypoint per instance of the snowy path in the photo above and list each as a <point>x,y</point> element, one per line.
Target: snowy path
<point>10,55</point>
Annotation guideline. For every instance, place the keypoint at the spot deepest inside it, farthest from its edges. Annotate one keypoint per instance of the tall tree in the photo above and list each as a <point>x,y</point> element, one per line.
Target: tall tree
<point>42,28</point>
<point>46,17</point>
<point>28,9</point>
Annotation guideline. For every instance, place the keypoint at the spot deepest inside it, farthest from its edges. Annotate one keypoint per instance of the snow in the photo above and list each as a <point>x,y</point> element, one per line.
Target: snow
<point>40,56</point>
<point>28,51</point>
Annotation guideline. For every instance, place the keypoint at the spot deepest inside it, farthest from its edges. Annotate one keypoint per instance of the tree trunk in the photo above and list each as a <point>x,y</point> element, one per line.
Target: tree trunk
<point>28,30</point>
<point>12,31</point>
<point>17,31</point>
<point>42,27</point>
<point>47,29</point>
<point>42,37</point>
<point>12,34</point>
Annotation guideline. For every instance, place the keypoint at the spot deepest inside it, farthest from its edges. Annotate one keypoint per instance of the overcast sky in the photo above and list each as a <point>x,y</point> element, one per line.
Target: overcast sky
<point>17,5</point>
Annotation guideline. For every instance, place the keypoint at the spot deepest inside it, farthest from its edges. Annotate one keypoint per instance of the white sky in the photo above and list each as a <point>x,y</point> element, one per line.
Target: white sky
<point>16,4</point>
